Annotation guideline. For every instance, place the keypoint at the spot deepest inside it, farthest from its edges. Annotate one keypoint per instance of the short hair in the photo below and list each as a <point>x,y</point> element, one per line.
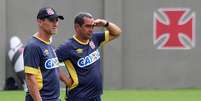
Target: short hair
<point>79,18</point>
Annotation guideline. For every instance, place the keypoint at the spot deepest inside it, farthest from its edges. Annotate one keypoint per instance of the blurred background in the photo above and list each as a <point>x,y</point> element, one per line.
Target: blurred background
<point>130,62</point>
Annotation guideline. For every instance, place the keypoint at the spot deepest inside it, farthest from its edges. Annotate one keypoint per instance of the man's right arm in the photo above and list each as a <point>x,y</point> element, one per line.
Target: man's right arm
<point>33,87</point>
<point>31,64</point>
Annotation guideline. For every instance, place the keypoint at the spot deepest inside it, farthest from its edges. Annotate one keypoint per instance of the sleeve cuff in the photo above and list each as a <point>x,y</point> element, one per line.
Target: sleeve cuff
<point>106,38</point>
<point>31,70</point>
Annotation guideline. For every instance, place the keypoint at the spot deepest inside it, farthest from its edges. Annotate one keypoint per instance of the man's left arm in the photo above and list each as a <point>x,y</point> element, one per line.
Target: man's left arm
<point>114,30</point>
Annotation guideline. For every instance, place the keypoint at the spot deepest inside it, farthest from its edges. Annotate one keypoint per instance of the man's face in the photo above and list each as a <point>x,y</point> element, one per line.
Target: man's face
<point>49,26</point>
<point>86,29</point>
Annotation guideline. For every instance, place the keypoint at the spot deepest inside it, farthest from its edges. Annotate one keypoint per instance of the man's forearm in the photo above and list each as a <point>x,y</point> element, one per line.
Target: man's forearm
<point>114,30</point>
<point>63,77</point>
<point>33,87</point>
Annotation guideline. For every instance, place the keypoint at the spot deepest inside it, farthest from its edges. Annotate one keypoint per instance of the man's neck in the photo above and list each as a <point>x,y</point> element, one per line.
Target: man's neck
<point>44,36</point>
<point>78,37</point>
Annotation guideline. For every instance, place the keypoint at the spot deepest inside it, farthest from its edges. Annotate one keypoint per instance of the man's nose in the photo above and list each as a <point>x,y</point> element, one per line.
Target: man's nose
<point>91,30</point>
<point>55,24</point>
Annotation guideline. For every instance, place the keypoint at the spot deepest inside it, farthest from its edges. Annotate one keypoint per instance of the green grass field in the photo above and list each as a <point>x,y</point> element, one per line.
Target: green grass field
<point>126,95</point>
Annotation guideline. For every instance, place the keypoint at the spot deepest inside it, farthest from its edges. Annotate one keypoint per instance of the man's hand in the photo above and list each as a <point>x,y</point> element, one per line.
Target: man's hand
<point>100,22</point>
<point>66,80</point>
<point>114,30</point>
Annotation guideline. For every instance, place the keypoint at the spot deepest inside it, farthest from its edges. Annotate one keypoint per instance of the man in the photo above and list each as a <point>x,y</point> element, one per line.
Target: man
<point>40,60</point>
<point>82,58</point>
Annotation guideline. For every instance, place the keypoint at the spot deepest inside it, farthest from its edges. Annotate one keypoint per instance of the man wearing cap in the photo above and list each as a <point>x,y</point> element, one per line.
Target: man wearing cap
<point>40,60</point>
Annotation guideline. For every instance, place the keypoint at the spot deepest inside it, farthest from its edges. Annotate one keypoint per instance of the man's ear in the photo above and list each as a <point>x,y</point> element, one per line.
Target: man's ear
<point>39,21</point>
<point>77,26</point>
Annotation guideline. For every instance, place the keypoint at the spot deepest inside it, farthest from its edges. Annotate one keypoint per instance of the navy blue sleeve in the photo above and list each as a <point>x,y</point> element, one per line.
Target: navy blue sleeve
<point>101,37</point>
<point>63,52</point>
<point>31,56</point>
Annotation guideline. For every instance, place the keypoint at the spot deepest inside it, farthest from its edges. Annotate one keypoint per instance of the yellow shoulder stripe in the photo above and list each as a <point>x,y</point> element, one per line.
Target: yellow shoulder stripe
<point>37,73</point>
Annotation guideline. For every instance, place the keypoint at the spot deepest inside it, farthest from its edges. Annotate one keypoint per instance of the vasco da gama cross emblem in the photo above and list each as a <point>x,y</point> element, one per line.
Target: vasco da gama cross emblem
<point>174,28</point>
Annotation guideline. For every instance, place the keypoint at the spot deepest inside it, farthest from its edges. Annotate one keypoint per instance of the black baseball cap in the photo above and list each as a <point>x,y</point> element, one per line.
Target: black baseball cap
<point>49,13</point>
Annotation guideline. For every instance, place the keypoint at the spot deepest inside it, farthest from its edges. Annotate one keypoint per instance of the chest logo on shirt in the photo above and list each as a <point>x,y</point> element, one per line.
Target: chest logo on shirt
<point>52,63</point>
<point>79,50</point>
<point>92,45</point>
<point>89,59</point>
<point>46,52</point>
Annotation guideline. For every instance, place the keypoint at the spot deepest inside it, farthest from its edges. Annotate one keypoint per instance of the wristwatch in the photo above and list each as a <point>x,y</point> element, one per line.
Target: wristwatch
<point>107,24</point>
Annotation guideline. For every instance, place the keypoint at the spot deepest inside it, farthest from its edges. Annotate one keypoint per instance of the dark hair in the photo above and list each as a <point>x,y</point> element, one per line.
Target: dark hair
<point>79,18</point>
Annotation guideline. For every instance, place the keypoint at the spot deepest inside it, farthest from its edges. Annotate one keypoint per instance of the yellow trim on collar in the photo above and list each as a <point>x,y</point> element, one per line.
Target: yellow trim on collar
<point>83,43</point>
<point>46,42</point>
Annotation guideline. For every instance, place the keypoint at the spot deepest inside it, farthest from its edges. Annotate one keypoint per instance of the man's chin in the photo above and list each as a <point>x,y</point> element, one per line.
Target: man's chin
<point>54,33</point>
<point>90,36</point>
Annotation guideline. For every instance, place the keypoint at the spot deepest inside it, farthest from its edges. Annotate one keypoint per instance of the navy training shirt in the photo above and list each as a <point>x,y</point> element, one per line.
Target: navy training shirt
<point>83,63</point>
<point>40,60</point>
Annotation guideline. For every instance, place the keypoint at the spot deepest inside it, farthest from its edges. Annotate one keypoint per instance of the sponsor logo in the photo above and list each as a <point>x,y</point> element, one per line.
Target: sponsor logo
<point>52,63</point>
<point>88,60</point>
